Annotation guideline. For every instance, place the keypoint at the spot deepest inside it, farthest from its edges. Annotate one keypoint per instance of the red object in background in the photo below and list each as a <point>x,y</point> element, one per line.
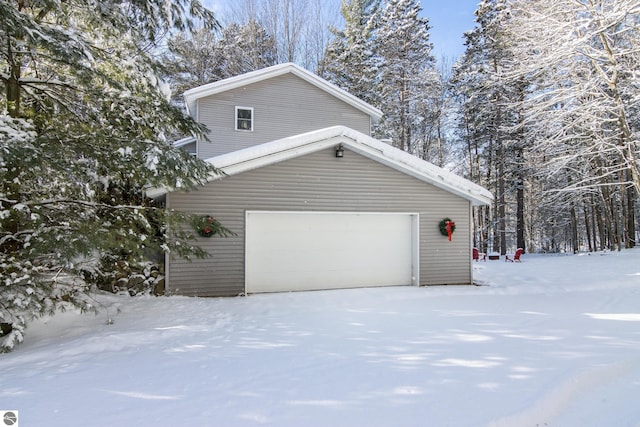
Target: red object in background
<point>477,256</point>
<point>516,257</point>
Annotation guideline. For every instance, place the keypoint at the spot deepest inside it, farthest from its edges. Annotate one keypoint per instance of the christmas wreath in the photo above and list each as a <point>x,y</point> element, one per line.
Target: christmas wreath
<point>206,226</point>
<point>447,227</point>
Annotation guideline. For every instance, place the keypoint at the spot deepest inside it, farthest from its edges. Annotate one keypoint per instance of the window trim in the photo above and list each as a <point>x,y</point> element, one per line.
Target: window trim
<point>236,118</point>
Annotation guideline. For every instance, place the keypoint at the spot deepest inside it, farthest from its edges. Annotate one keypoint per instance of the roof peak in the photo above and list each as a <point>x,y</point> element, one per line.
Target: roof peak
<point>191,96</point>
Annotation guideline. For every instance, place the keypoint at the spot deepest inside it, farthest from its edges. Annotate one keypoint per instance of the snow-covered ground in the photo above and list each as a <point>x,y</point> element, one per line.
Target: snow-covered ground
<point>553,341</point>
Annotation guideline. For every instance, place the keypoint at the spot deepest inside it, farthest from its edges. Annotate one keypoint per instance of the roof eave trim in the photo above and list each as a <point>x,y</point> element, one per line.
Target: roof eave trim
<point>475,197</point>
<point>361,144</point>
<point>287,148</point>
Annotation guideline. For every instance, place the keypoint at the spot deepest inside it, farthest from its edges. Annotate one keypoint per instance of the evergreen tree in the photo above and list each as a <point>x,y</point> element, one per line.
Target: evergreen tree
<point>192,60</point>
<point>245,48</point>
<point>383,56</point>
<point>491,111</point>
<point>406,72</point>
<point>85,125</point>
<point>350,61</point>
<point>207,56</point>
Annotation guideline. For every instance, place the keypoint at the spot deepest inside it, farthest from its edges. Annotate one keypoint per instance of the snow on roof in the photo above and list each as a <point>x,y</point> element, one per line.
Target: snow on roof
<point>192,95</point>
<point>184,141</point>
<point>276,151</point>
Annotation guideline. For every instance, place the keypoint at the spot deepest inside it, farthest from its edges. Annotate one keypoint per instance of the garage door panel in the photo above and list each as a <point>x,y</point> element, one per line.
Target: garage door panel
<point>305,251</point>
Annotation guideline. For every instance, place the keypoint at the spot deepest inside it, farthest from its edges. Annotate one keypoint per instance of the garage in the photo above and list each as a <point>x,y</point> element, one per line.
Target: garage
<point>300,251</point>
<point>305,218</point>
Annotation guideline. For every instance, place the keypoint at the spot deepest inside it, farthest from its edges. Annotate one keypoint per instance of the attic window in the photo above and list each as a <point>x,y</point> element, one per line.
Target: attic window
<point>244,118</point>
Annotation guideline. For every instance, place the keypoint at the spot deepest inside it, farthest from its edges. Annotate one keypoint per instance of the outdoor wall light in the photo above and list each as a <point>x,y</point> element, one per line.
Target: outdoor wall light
<point>340,151</point>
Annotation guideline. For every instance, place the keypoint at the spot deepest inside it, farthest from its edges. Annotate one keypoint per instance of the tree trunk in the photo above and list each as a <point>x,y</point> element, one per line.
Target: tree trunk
<point>587,227</point>
<point>495,235</point>
<point>600,221</point>
<point>630,238</point>
<point>575,245</point>
<point>610,217</point>
<point>520,225</point>
<point>502,223</point>
<point>9,187</point>
<point>13,89</point>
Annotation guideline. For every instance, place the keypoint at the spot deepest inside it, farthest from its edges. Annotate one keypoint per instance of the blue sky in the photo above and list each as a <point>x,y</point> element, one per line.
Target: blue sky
<point>449,19</point>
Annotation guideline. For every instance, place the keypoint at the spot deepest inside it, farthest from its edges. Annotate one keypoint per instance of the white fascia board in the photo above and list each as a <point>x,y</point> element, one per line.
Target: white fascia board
<point>476,197</point>
<point>418,168</point>
<point>192,95</point>
<point>261,155</point>
<point>287,148</point>
<point>184,141</point>
<point>374,113</point>
<point>233,165</point>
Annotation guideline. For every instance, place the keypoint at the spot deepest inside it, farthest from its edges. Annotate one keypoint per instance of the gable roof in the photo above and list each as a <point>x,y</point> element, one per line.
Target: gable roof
<point>192,95</point>
<point>280,150</point>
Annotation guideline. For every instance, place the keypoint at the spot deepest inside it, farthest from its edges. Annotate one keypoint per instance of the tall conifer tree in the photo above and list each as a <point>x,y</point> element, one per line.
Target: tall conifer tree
<point>350,59</point>
<point>85,125</point>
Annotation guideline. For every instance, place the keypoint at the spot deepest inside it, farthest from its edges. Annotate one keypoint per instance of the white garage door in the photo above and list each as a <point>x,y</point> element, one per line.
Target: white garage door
<point>295,251</point>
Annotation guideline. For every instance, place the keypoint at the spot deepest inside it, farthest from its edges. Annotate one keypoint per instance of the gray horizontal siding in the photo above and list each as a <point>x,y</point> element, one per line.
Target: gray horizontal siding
<point>283,106</point>
<point>319,182</point>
